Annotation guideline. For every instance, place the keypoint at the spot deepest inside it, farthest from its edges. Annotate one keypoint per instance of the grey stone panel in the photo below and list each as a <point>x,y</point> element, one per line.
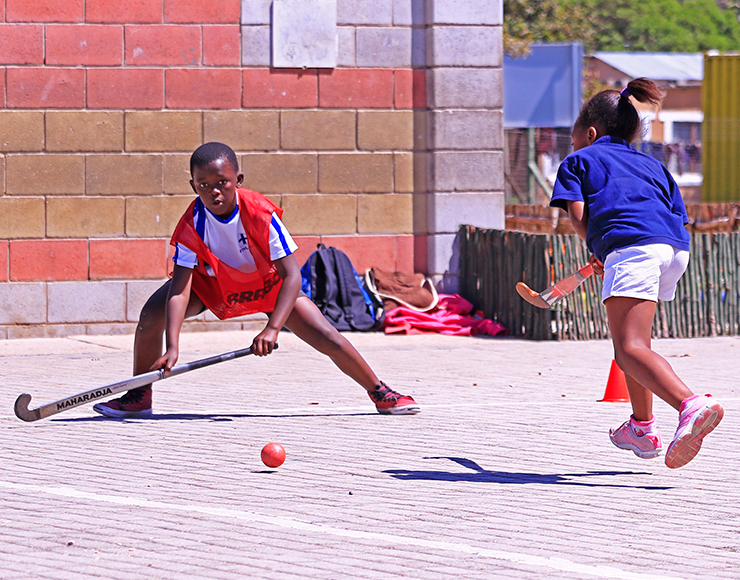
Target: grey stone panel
<point>383,47</point>
<point>451,210</point>
<point>409,12</point>
<point>22,303</point>
<point>304,34</point>
<point>485,12</point>
<point>256,11</point>
<point>359,12</point>
<point>346,46</point>
<point>460,88</point>
<point>464,129</point>
<point>255,46</point>
<point>469,46</point>
<point>468,171</point>
<point>71,302</point>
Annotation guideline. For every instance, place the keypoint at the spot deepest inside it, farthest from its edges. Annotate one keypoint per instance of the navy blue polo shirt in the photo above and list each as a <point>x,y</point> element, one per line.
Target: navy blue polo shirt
<point>631,198</point>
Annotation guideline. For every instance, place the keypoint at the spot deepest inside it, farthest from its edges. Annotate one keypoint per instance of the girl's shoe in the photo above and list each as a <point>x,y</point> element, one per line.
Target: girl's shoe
<point>641,437</point>
<point>135,403</point>
<point>698,417</point>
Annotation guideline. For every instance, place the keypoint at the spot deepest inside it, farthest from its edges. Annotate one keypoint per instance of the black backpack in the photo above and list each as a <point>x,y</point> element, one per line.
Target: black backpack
<point>330,280</point>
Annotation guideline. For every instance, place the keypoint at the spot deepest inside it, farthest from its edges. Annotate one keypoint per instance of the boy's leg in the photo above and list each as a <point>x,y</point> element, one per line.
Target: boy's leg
<point>308,323</point>
<point>148,347</point>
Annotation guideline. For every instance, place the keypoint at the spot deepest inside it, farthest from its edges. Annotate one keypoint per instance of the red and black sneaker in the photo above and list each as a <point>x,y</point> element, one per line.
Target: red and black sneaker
<point>389,402</point>
<point>135,403</point>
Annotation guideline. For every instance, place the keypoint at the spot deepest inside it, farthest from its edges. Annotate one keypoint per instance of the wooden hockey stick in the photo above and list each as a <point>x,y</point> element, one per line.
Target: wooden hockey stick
<point>23,412</point>
<point>549,297</point>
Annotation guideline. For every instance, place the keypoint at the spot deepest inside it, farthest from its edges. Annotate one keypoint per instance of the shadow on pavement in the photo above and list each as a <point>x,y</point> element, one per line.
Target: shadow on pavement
<point>208,417</point>
<point>478,475</point>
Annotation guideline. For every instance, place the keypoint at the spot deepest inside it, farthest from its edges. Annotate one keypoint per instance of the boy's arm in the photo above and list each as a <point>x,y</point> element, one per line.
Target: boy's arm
<point>289,271</point>
<point>178,299</point>
<point>578,217</point>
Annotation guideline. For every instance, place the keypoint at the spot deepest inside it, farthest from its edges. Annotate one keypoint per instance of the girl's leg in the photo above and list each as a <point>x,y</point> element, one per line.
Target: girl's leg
<point>630,323</point>
<point>308,324</point>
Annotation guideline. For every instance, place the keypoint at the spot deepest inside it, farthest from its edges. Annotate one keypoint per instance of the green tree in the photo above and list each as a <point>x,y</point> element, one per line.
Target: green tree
<point>645,25</point>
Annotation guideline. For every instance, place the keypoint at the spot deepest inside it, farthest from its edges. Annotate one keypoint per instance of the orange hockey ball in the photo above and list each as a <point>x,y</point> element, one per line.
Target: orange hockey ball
<point>273,455</point>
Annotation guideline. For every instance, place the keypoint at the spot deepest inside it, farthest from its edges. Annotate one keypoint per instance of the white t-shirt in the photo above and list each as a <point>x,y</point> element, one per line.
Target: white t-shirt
<point>227,240</point>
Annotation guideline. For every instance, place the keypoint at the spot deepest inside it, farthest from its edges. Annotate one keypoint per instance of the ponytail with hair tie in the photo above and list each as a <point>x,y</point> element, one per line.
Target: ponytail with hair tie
<point>625,93</point>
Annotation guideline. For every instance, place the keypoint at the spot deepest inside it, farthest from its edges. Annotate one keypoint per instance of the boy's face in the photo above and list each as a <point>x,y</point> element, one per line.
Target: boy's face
<point>215,184</point>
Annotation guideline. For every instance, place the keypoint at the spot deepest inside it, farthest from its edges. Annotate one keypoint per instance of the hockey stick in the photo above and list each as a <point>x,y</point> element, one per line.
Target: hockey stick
<point>547,298</point>
<point>23,412</point>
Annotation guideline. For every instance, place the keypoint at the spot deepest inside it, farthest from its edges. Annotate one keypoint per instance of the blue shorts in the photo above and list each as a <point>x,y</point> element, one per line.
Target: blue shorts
<point>648,272</point>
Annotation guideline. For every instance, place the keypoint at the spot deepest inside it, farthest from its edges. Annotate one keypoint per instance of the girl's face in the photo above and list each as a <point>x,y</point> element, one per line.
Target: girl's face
<point>215,184</point>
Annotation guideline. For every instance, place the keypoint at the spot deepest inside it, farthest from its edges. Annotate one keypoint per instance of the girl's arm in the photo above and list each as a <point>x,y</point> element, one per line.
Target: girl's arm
<point>178,299</point>
<point>578,217</point>
<point>290,272</point>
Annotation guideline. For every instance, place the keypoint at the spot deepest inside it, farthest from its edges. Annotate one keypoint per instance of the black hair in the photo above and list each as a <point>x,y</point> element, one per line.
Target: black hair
<point>612,113</point>
<point>210,152</point>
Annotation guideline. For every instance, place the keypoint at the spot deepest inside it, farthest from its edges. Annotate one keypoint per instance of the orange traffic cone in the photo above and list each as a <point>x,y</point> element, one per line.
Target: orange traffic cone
<point>616,386</point>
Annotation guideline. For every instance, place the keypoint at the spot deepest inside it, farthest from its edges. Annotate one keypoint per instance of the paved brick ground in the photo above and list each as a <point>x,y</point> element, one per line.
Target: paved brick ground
<point>507,472</point>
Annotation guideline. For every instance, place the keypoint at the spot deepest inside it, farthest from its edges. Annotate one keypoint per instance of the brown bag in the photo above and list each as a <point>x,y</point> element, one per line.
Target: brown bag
<point>414,291</point>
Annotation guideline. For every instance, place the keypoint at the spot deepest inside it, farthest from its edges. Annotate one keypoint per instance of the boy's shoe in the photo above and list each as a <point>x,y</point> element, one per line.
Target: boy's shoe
<point>642,437</point>
<point>697,418</point>
<point>135,403</point>
<point>389,402</point>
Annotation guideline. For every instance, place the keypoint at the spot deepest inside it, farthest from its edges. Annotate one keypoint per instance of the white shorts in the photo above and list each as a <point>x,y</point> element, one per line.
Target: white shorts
<point>648,272</point>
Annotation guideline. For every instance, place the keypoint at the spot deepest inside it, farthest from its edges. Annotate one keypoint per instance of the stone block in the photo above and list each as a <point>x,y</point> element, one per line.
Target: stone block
<point>449,211</point>
<point>468,171</point>
<point>476,12</point>
<point>383,130</point>
<point>177,174</point>
<point>22,217</point>
<point>385,214</point>
<point>45,88</point>
<point>456,129</point>
<point>199,12</point>
<point>370,88</point>
<point>119,174</point>
<point>383,47</point>
<point>317,130</point>
<point>403,172</point>
<point>45,174</point>
<point>125,88</point>
<point>355,172</point>
<point>82,131</point>
<point>421,210</point>
<point>163,131</point>
<point>256,11</point>
<point>281,172</point>
<point>467,88</point>
<point>443,257</point>
<point>203,88</point>
<point>304,33</point>
<point>222,45</point>
<point>371,251</point>
<point>21,131</point>
<point>256,46</point>
<point>243,130</point>
<point>148,216</point>
<point>467,46</point>
<point>75,302</point>
<point>357,12</point>
<point>21,44</point>
<point>22,303</point>
<point>84,45</point>
<point>280,89</point>
<point>409,12</point>
<point>137,293</point>
<point>85,217</point>
<point>346,46</point>
<point>162,45</point>
<point>128,259</point>
<point>320,214</point>
<point>33,260</point>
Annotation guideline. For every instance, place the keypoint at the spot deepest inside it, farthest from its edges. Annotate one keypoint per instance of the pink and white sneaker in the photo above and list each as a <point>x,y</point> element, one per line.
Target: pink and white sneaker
<point>641,437</point>
<point>697,418</point>
<point>389,402</point>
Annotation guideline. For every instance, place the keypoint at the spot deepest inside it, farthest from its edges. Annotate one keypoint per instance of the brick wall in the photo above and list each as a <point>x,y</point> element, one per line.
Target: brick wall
<point>102,102</point>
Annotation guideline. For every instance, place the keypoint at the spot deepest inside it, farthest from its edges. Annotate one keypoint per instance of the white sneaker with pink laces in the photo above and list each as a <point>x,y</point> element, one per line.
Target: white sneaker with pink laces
<point>698,417</point>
